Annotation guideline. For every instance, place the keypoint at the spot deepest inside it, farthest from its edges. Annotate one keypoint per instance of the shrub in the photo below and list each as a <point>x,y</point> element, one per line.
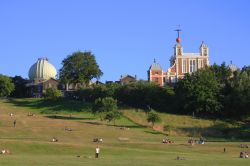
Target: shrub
<point>53,94</point>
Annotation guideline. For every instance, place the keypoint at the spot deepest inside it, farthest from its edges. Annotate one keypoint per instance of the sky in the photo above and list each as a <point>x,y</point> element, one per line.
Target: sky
<point>124,35</point>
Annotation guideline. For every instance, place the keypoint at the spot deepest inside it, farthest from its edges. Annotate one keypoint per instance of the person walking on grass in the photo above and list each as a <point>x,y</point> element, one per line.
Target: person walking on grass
<point>97,151</point>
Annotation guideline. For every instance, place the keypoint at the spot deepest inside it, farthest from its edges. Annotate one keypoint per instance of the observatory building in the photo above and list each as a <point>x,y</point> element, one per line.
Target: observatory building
<point>180,64</point>
<point>42,76</point>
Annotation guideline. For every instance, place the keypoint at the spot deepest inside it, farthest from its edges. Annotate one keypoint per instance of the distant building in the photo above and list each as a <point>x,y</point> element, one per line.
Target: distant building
<point>181,64</point>
<point>127,79</point>
<point>232,67</point>
<point>42,76</point>
<point>156,74</point>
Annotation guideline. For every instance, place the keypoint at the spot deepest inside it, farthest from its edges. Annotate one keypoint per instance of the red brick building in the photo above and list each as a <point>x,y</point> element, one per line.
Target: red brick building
<point>156,74</point>
<point>181,64</point>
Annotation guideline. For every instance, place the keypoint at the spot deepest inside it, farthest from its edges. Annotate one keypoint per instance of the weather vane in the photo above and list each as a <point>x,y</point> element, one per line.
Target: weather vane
<point>178,40</point>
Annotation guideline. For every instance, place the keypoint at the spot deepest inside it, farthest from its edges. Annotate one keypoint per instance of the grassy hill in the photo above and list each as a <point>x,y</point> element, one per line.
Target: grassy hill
<point>181,125</point>
<point>30,141</point>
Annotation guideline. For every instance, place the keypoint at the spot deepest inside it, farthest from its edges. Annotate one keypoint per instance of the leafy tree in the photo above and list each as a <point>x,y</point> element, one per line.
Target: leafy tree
<point>172,60</point>
<point>53,93</point>
<point>20,88</point>
<point>143,95</point>
<point>167,128</point>
<point>106,108</point>
<point>237,96</point>
<point>112,116</point>
<point>153,117</point>
<point>222,73</point>
<point>98,108</point>
<point>199,92</point>
<point>6,86</point>
<point>80,67</point>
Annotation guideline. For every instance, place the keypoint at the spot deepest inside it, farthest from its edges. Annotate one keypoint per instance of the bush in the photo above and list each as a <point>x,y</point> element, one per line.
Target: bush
<point>153,117</point>
<point>53,94</point>
<point>106,108</point>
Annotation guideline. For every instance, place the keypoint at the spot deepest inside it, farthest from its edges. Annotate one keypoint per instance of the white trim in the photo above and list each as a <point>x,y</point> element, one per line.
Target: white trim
<point>184,66</point>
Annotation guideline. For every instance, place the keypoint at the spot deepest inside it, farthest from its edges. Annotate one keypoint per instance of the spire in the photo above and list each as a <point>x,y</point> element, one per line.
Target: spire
<point>178,39</point>
<point>154,60</point>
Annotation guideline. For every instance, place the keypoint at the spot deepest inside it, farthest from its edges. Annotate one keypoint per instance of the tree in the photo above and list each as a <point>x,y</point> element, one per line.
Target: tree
<point>222,73</point>
<point>98,108</point>
<point>167,128</point>
<point>53,93</point>
<point>112,116</point>
<point>153,117</point>
<point>6,86</point>
<point>237,96</point>
<point>20,87</point>
<point>107,109</point>
<point>80,67</point>
<point>200,93</point>
<point>144,94</point>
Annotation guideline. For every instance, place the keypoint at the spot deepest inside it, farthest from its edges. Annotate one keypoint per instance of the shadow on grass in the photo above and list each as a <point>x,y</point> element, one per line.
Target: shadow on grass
<point>67,117</point>
<point>220,132</point>
<point>50,107</point>
<point>154,132</point>
<point>127,126</point>
<point>93,123</point>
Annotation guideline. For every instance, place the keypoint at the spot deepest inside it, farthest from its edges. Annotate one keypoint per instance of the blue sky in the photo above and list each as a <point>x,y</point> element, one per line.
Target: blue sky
<point>124,35</point>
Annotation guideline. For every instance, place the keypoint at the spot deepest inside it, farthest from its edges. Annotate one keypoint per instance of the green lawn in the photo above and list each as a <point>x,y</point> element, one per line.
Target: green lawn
<point>30,142</point>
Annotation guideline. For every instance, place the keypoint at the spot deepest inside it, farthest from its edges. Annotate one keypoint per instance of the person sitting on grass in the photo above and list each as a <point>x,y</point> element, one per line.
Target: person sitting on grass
<point>5,151</point>
<point>68,129</point>
<point>54,139</point>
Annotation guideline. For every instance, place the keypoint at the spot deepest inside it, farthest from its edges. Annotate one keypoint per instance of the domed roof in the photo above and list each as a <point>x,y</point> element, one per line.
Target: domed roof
<point>42,70</point>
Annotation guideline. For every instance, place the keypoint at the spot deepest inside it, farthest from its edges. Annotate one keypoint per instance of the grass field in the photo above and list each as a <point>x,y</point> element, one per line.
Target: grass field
<point>30,141</point>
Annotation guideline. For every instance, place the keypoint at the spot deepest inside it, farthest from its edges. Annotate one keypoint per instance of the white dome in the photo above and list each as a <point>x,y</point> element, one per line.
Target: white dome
<point>42,70</point>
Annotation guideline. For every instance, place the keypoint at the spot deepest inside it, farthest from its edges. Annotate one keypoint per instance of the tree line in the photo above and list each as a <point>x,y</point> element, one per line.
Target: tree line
<point>214,91</point>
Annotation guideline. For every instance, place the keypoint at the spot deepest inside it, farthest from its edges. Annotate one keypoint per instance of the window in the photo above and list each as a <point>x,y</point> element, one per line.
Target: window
<point>200,63</point>
<point>184,66</point>
<point>179,51</point>
<point>192,65</point>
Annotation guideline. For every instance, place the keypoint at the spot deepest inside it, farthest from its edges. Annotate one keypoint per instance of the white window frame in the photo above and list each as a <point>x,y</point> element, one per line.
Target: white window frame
<point>192,65</point>
<point>184,65</point>
<point>200,63</point>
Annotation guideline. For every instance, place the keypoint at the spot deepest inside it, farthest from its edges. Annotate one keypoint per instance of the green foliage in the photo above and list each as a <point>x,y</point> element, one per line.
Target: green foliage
<point>53,93</point>
<point>80,67</point>
<point>237,94</point>
<point>153,117</point>
<point>199,93</point>
<point>106,108</point>
<point>222,72</point>
<point>211,92</point>
<point>144,94</point>
<point>172,60</point>
<point>6,86</point>
<point>167,128</point>
<point>20,87</point>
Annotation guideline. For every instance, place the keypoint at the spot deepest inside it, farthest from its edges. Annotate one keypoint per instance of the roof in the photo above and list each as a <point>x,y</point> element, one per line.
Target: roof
<point>42,70</point>
<point>203,44</point>
<point>39,82</point>
<point>124,76</point>
<point>155,66</point>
